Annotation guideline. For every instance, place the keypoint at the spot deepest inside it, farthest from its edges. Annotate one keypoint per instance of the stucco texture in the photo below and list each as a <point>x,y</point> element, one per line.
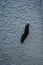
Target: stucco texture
<point>14,15</point>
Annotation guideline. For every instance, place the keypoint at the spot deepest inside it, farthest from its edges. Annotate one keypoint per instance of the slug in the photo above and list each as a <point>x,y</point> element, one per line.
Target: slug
<point>25,34</point>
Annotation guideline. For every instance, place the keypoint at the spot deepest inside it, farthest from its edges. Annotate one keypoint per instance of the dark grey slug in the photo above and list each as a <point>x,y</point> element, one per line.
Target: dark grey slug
<point>25,34</point>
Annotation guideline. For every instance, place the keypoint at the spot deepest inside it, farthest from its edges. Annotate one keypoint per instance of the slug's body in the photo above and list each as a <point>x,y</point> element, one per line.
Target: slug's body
<point>25,34</point>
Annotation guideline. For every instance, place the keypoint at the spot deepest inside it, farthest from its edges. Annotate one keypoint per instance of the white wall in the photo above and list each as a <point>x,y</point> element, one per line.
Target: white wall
<point>14,14</point>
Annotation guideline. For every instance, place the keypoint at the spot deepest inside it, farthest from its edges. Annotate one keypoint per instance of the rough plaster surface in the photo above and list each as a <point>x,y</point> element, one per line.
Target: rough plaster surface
<point>14,14</point>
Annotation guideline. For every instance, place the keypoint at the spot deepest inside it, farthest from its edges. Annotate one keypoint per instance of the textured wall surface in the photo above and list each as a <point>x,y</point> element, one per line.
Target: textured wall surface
<point>14,14</point>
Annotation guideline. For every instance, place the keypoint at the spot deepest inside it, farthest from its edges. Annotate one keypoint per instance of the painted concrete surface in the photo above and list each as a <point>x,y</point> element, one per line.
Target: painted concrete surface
<point>14,14</point>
